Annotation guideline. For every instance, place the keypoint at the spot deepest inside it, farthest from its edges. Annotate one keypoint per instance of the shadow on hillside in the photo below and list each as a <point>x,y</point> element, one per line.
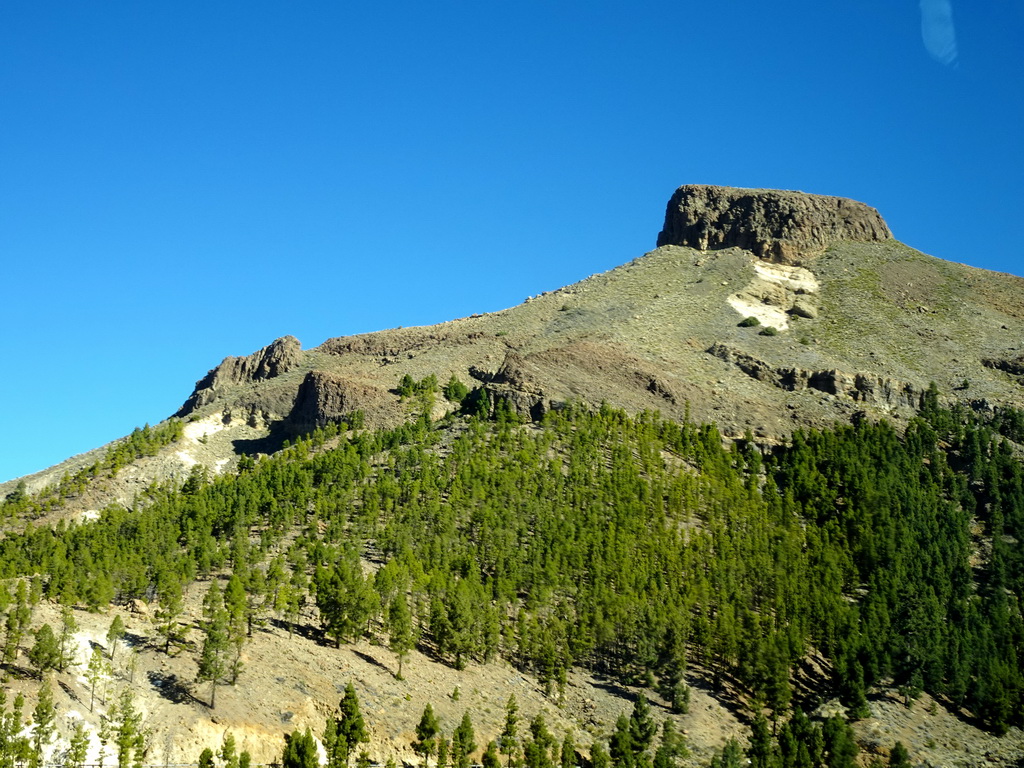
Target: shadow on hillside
<point>370,660</point>
<point>20,672</point>
<point>302,630</point>
<point>171,687</point>
<point>721,687</point>
<point>613,688</point>
<point>67,689</point>
<point>271,443</point>
<point>133,640</point>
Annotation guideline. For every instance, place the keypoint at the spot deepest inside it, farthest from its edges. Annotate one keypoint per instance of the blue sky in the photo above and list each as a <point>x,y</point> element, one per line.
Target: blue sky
<point>184,181</point>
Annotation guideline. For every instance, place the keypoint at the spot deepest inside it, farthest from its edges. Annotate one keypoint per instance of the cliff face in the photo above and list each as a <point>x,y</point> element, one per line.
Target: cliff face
<point>267,363</point>
<point>785,227</point>
<point>324,397</point>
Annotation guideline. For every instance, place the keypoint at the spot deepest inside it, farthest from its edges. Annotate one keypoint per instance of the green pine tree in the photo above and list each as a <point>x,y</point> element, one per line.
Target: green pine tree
<point>426,735</point>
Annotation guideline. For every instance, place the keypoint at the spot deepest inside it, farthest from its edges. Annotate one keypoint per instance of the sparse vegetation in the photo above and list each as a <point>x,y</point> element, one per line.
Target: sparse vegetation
<point>477,598</point>
<point>749,322</point>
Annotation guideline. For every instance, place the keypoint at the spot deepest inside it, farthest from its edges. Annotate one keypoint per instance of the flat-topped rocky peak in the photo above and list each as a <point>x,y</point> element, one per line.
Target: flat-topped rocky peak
<point>776,225</point>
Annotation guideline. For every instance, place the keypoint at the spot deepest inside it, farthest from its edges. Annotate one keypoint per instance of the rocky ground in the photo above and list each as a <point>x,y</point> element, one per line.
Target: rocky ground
<point>294,681</point>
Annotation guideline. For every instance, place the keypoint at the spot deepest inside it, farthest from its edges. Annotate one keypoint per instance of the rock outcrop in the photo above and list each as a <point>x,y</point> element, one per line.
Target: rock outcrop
<point>867,388</point>
<point>273,360</point>
<point>325,397</point>
<point>780,226</point>
<point>1011,365</point>
<point>516,383</point>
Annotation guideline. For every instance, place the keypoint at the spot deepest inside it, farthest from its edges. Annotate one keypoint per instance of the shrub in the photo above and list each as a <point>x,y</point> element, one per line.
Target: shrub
<point>749,322</point>
<point>769,330</point>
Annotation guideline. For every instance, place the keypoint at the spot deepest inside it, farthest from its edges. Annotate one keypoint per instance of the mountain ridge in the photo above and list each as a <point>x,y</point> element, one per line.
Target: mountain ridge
<point>661,333</point>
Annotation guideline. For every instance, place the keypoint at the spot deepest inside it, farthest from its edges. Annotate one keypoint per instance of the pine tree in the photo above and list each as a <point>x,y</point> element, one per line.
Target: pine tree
<point>129,736</point>
<point>228,754</point>
<point>236,607</point>
<point>335,758</point>
<point>45,653</point>
<point>350,727</point>
<point>899,757</point>
<point>170,607</point>
<point>731,756</point>
<point>17,623</point>
<point>463,742</point>
<point>508,740</point>
<point>43,717</point>
<point>345,599</point>
<point>568,753</point>
<point>620,744</point>
<point>65,641</point>
<point>14,745</point>
<point>840,745</point>
<point>642,730</point>
<point>672,746</point>
<point>299,751</point>
<point>213,658</point>
<point>426,735</point>
<point>455,391</point>
<point>78,750</point>
<point>114,635</point>
<point>97,671</point>
<point>537,751</point>
<point>400,629</point>
<point>760,753</point>
<point>490,757</point>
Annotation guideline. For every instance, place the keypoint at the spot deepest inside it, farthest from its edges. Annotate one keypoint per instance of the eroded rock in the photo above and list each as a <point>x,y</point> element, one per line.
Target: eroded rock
<point>780,226</point>
<point>867,388</point>
<point>325,397</point>
<point>273,360</point>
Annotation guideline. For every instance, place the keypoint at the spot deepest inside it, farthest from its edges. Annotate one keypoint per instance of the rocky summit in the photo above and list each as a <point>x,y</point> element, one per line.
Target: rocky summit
<point>787,227</point>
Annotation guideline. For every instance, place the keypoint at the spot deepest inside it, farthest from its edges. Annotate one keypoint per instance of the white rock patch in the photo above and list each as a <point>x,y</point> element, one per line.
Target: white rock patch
<point>772,293</point>
<point>186,458</point>
<point>201,428</point>
<point>765,313</point>
<point>797,279</point>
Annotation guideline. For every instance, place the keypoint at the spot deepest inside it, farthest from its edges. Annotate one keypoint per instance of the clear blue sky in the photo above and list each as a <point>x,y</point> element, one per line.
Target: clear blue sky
<point>184,181</point>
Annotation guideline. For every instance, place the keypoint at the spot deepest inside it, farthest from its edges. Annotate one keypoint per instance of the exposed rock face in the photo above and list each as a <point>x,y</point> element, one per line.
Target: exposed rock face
<point>324,397</point>
<point>785,227</point>
<point>867,388</point>
<point>516,383</point>
<point>1011,365</point>
<point>273,360</point>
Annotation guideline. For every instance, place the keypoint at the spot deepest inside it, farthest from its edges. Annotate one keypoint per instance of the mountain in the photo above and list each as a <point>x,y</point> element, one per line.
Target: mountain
<point>864,325</point>
<point>767,314</point>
